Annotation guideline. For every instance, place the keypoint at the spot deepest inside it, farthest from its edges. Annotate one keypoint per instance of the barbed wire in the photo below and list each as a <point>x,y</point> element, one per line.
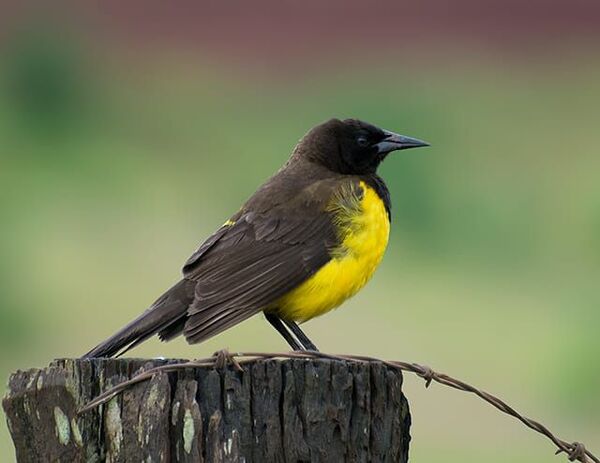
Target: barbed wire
<point>575,451</point>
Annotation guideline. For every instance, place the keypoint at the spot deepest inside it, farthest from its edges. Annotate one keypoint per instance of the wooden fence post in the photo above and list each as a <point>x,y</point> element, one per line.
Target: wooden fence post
<point>293,410</point>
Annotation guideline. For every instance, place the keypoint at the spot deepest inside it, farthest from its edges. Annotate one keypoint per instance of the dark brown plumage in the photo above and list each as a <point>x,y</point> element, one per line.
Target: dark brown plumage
<point>280,237</point>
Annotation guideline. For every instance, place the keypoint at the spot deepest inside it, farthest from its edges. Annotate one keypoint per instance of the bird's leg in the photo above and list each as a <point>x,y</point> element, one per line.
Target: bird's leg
<point>280,327</point>
<point>294,328</point>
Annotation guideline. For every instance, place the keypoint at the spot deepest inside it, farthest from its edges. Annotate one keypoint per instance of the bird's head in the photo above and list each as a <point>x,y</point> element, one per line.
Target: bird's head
<point>351,146</point>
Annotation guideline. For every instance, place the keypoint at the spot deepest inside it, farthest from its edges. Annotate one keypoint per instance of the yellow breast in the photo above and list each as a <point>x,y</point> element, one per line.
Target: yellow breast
<point>364,232</point>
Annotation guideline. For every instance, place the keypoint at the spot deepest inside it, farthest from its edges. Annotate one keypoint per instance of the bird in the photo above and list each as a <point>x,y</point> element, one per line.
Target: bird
<point>308,239</point>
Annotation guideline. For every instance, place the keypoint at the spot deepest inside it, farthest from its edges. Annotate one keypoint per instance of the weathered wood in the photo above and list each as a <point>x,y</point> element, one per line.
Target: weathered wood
<point>274,411</point>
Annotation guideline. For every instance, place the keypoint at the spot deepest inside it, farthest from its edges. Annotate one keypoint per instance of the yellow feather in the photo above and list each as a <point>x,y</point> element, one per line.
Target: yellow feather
<point>364,229</point>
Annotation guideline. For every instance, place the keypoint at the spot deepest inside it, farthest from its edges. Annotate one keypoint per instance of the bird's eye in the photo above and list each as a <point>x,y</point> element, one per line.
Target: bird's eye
<point>362,141</point>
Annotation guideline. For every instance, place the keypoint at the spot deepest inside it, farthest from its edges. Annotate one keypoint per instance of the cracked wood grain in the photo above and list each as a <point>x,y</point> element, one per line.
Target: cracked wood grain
<point>294,410</point>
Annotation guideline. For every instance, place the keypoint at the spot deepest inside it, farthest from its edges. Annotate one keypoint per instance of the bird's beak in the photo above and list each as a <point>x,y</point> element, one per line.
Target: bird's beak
<point>395,142</point>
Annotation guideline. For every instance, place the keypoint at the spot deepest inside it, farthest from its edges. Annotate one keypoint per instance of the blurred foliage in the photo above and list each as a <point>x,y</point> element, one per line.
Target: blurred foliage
<point>43,81</point>
<point>112,178</point>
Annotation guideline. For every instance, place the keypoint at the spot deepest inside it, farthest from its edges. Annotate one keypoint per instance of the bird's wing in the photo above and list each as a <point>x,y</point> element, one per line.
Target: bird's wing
<point>206,246</point>
<point>259,259</point>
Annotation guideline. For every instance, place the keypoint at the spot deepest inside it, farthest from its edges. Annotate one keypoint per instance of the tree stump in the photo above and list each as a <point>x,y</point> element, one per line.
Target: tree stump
<point>294,410</point>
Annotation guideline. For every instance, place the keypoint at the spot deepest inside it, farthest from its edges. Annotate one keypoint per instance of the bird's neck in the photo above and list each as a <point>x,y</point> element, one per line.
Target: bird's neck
<point>377,183</point>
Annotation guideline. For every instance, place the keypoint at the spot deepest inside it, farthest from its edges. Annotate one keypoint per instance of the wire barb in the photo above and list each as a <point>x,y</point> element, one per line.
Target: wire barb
<point>223,358</point>
<point>575,451</point>
<point>427,374</point>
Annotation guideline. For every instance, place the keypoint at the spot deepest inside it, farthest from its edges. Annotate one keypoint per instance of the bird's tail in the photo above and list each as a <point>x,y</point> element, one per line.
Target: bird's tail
<point>166,317</point>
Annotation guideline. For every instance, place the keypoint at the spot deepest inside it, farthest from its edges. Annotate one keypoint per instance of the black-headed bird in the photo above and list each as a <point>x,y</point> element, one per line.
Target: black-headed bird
<point>307,240</point>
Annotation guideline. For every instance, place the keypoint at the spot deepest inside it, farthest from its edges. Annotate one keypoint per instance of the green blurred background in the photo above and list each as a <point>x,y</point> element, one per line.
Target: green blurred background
<point>130,131</point>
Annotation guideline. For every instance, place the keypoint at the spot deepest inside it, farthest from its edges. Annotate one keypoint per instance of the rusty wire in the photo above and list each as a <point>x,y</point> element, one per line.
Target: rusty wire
<point>575,451</point>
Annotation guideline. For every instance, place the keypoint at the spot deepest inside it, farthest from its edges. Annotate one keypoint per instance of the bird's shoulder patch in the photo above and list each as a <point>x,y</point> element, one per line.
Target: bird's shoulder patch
<point>209,244</point>
<point>345,202</point>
